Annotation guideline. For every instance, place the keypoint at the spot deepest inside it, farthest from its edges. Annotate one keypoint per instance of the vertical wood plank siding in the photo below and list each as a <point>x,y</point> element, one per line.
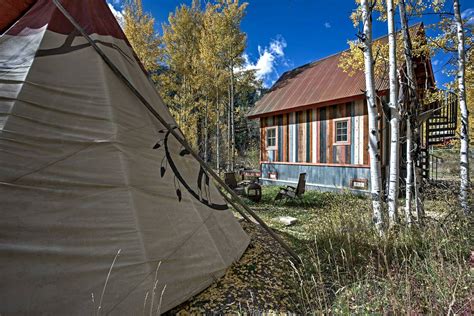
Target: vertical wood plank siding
<point>323,135</point>
<point>353,132</point>
<point>291,150</point>
<point>314,136</point>
<point>329,132</point>
<point>308,136</point>
<point>302,137</point>
<point>285,137</point>
<point>347,151</point>
<point>280,137</point>
<point>270,153</point>
<point>365,140</point>
<point>263,148</point>
<point>296,136</point>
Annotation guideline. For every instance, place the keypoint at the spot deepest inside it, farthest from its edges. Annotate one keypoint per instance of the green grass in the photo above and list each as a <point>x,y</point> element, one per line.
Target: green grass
<point>348,268</point>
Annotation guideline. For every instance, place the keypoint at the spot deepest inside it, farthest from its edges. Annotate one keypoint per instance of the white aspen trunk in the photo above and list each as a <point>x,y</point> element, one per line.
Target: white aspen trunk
<point>218,127</point>
<point>418,180</point>
<point>394,163</point>
<point>464,151</point>
<point>232,121</point>
<point>229,138</point>
<point>419,209</point>
<point>206,135</point>
<point>411,104</point>
<point>409,176</point>
<point>375,170</point>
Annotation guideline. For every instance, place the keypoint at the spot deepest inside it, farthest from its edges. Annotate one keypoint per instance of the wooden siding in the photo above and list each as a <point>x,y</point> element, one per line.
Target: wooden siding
<point>329,132</point>
<point>308,136</point>
<point>365,137</point>
<point>285,137</point>
<point>280,137</point>
<point>263,137</point>
<point>322,135</point>
<point>314,136</point>
<point>302,148</point>
<point>292,136</point>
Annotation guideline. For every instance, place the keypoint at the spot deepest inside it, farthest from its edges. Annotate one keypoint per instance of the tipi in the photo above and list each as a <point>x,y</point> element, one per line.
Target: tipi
<point>95,193</point>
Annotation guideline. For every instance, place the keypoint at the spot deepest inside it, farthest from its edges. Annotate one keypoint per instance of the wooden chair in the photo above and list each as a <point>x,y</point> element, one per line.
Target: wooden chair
<point>231,181</point>
<point>290,192</point>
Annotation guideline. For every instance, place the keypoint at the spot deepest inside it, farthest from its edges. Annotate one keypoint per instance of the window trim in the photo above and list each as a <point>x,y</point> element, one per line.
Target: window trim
<point>275,147</point>
<point>346,142</point>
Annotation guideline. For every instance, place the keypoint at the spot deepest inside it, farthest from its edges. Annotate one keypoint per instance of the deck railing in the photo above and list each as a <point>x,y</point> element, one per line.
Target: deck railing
<point>438,129</point>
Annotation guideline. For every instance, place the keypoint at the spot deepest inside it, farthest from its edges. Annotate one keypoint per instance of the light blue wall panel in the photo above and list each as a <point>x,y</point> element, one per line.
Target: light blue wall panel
<point>317,177</point>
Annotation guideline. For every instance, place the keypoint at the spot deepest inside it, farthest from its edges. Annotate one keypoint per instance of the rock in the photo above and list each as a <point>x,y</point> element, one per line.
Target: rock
<point>287,220</point>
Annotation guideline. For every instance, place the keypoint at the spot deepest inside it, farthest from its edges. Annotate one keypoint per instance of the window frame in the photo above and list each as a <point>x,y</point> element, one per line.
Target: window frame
<point>274,147</point>
<point>345,142</point>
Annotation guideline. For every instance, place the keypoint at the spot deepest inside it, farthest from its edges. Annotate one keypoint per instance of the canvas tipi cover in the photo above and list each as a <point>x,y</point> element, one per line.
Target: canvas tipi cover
<point>86,171</point>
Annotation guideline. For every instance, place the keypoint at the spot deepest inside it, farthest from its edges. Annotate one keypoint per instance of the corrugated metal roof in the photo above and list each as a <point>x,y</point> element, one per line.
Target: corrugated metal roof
<point>316,83</point>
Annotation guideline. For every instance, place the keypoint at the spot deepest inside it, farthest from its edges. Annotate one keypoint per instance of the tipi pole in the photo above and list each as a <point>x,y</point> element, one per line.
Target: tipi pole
<point>173,131</point>
<point>234,205</point>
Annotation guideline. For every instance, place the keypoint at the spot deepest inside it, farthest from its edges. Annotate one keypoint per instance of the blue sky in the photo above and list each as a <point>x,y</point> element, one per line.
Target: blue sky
<point>283,34</point>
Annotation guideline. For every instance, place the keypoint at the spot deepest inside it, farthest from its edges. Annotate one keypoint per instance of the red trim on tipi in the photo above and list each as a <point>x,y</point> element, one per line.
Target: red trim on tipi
<point>11,11</point>
<point>94,16</point>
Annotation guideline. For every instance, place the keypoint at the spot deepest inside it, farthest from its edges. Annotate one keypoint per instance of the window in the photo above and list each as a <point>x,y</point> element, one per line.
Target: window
<point>341,133</point>
<point>271,138</point>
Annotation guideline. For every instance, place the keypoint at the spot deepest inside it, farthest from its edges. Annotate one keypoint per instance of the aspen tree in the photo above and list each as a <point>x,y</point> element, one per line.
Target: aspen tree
<point>394,169</point>
<point>375,169</point>
<point>411,105</point>
<point>461,73</point>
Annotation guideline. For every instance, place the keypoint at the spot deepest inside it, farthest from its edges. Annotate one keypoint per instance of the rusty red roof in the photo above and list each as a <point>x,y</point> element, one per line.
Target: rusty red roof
<point>319,83</point>
<point>315,83</point>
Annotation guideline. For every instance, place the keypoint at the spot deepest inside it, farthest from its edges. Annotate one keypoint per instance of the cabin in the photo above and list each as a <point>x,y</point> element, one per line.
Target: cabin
<point>314,120</point>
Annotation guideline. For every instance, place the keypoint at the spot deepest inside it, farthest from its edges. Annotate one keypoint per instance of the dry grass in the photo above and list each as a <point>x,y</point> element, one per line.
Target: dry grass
<point>347,268</point>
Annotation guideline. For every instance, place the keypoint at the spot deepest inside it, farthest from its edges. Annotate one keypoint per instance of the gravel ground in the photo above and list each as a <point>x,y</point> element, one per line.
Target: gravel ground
<point>256,284</point>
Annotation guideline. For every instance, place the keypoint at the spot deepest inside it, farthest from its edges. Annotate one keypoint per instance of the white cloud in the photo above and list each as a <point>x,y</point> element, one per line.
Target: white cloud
<point>435,62</point>
<point>468,14</point>
<point>327,25</point>
<point>117,13</point>
<point>277,46</point>
<point>269,57</point>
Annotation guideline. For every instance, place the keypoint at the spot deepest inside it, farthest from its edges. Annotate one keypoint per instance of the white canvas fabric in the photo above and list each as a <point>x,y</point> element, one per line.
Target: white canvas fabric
<point>80,180</point>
